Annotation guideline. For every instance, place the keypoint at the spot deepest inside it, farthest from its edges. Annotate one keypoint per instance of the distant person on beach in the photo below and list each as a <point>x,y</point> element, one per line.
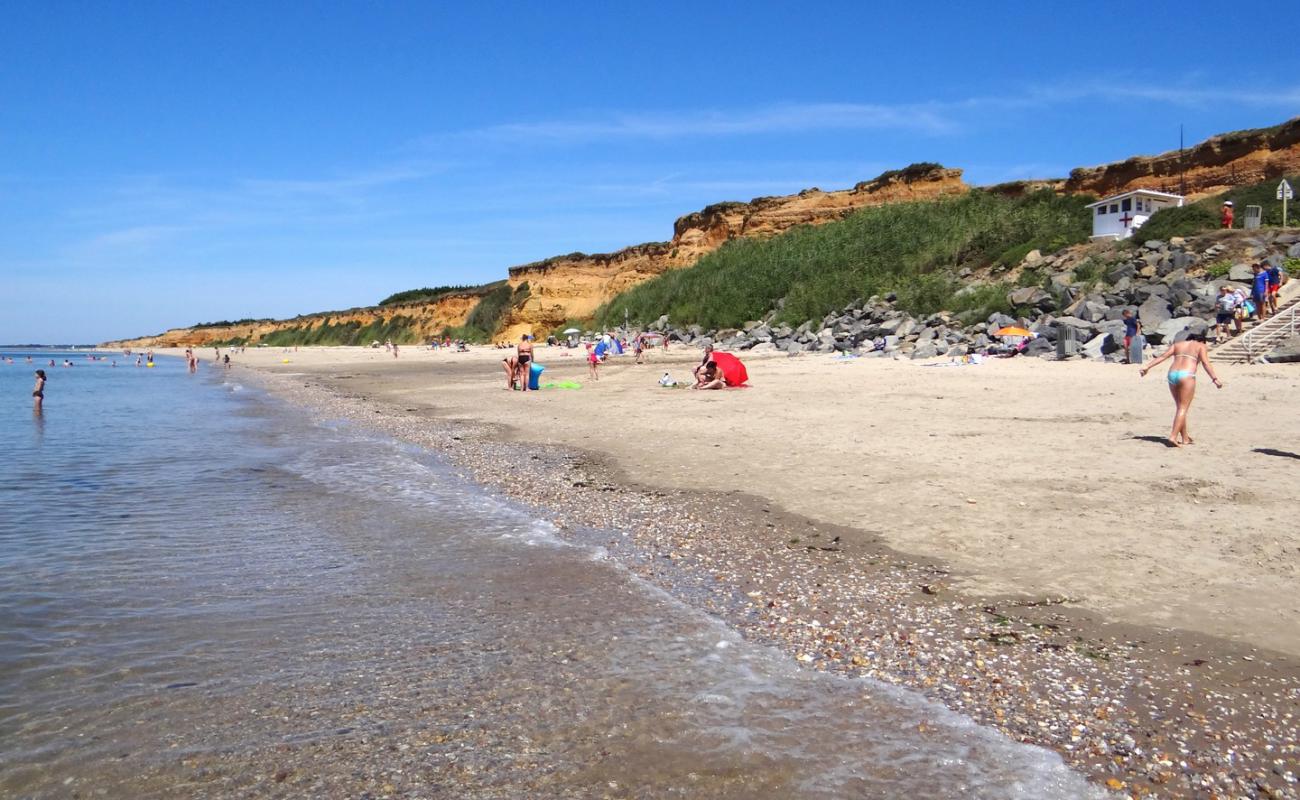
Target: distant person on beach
<point>638,349</point>
<point>511,367</point>
<point>394,350</point>
<point>1274,286</point>
<point>1225,216</point>
<point>1259,292</point>
<point>1132,329</point>
<point>593,363</point>
<point>710,378</point>
<point>38,392</point>
<point>226,360</point>
<point>1225,311</point>
<point>524,359</point>
<point>704,362</point>
<point>1187,356</point>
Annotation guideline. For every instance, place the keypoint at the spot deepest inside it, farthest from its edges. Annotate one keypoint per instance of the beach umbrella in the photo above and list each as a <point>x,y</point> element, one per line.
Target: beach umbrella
<point>1009,331</point>
<point>732,369</point>
<point>572,330</point>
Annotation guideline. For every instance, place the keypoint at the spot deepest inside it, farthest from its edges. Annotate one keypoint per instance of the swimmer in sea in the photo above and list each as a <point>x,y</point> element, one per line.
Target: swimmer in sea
<point>38,392</point>
<point>1187,356</point>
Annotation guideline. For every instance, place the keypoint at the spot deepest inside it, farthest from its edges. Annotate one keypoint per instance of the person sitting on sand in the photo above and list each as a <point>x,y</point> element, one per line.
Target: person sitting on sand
<point>524,358</point>
<point>704,361</point>
<point>710,378</point>
<point>1187,356</point>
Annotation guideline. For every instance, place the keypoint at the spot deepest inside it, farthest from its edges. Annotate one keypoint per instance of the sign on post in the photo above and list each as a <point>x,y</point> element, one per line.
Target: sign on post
<point>1284,194</point>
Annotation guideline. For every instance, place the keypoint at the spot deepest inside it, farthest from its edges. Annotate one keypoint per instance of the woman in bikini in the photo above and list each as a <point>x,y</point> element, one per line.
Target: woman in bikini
<point>523,359</point>
<point>1186,357</point>
<point>38,392</point>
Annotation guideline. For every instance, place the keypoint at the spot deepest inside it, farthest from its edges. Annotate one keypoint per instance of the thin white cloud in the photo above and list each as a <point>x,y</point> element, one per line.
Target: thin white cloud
<point>931,118</point>
<point>776,119</point>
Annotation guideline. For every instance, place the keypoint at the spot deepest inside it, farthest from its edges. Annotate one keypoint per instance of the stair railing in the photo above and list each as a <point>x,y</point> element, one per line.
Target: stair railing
<point>1256,341</point>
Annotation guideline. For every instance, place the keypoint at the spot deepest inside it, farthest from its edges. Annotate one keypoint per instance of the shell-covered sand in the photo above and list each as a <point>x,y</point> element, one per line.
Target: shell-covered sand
<point>1012,538</point>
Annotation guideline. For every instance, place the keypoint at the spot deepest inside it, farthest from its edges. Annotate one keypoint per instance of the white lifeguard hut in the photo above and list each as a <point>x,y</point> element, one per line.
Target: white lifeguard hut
<point>1118,216</point>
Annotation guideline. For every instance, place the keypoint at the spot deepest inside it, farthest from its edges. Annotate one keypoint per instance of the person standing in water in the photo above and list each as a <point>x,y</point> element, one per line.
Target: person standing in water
<point>1186,357</point>
<point>38,391</point>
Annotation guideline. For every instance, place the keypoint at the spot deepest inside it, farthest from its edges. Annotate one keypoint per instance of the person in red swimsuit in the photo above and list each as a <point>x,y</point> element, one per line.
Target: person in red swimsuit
<point>1226,215</point>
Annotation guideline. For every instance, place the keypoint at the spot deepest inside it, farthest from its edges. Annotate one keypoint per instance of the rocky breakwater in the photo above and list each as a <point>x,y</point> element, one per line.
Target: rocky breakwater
<point>1075,306</point>
<point>573,286</point>
<point>1218,163</point>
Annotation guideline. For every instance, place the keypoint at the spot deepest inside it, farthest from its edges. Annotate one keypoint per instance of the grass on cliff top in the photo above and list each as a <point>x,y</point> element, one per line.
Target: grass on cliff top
<point>425,294</point>
<point>1203,215</point>
<point>913,249</point>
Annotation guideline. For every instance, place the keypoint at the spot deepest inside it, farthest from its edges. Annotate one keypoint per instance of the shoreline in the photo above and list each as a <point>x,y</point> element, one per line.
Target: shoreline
<point>1145,711</point>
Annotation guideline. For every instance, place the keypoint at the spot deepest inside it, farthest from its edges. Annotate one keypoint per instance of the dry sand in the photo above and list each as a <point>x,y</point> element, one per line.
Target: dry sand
<point>1027,477</point>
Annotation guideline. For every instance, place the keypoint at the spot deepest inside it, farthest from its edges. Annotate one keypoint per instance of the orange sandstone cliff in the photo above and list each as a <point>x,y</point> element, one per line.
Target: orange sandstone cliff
<point>426,320</point>
<point>574,286</point>
<point>1216,164</point>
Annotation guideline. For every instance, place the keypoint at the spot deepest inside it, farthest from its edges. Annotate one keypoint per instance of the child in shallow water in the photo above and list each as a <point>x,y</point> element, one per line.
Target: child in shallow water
<point>38,392</point>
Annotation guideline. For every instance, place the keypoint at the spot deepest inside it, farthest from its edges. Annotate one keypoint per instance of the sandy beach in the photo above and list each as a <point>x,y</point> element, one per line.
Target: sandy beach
<point>1027,477</point>
<point>1012,538</point>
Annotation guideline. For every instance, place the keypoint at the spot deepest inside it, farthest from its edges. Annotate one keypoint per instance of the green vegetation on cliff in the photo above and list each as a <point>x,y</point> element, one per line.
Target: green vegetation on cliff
<point>485,317</point>
<point>1203,215</point>
<point>398,328</point>
<point>914,249</point>
<point>425,294</point>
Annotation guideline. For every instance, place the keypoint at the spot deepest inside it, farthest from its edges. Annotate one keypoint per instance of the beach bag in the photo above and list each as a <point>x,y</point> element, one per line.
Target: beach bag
<point>1249,307</point>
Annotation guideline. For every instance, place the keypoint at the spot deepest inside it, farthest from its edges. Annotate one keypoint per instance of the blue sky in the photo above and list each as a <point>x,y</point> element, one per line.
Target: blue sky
<point>168,163</point>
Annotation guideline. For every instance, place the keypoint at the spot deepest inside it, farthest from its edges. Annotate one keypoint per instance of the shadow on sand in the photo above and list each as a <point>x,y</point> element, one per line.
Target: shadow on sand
<point>1154,440</point>
<point>1268,451</point>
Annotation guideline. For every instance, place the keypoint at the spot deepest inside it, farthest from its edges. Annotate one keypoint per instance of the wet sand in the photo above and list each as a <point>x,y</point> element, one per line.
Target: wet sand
<point>1011,538</point>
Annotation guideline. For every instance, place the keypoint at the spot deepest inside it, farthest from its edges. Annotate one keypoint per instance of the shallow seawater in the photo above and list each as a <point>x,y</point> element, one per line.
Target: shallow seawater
<point>205,592</point>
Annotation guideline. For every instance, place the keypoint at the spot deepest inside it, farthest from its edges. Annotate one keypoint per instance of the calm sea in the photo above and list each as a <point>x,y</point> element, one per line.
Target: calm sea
<point>207,593</point>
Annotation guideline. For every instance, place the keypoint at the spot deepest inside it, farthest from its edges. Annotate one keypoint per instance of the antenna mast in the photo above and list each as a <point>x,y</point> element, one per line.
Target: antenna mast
<point>1182,164</point>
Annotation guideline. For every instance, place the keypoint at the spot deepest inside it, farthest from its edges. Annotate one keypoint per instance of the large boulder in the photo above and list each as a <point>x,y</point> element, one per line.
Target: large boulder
<point>925,350</point>
<point>1028,296</point>
<point>1038,347</point>
<point>1175,330</point>
<point>1153,313</point>
<point>1095,347</point>
<point>1241,272</point>
<point>1287,351</point>
<point>1090,311</point>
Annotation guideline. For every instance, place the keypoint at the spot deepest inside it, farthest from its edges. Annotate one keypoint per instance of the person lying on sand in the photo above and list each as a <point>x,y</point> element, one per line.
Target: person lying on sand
<point>711,377</point>
<point>1187,357</point>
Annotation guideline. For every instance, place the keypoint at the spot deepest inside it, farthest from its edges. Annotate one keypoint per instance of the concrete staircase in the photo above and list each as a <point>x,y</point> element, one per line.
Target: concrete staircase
<point>1259,339</point>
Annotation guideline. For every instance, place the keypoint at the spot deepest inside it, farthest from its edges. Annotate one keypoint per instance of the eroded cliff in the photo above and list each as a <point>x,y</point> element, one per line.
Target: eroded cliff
<point>408,321</point>
<point>1216,164</point>
<point>574,286</point>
